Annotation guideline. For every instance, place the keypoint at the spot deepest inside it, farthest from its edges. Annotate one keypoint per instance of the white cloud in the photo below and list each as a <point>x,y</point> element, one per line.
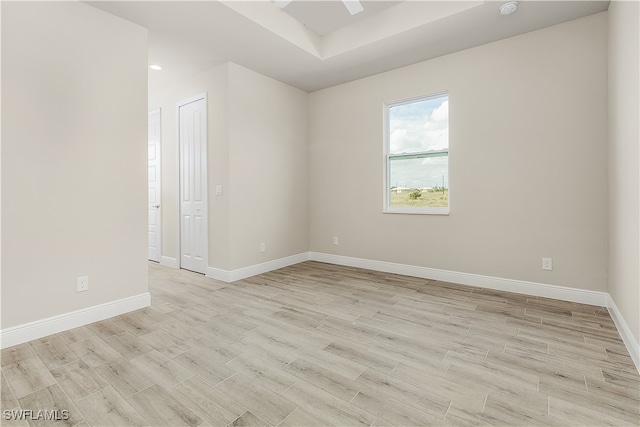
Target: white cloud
<point>441,114</point>
<point>419,127</point>
<point>397,136</point>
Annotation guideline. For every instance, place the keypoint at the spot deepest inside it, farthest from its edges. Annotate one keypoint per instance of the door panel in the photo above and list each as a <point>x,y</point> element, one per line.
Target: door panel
<point>153,200</point>
<point>193,186</point>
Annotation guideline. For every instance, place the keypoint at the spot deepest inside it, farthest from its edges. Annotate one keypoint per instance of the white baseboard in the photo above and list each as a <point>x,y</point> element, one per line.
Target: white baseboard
<point>168,262</point>
<point>253,270</point>
<point>477,280</point>
<point>38,329</point>
<point>52,325</point>
<point>219,274</point>
<point>633,347</point>
<point>601,299</point>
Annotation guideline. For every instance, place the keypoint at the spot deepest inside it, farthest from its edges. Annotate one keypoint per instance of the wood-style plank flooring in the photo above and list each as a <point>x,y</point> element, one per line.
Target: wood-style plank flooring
<point>318,345</point>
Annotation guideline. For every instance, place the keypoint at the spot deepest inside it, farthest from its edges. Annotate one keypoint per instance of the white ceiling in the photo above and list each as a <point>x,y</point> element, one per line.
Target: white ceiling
<point>325,17</point>
<point>316,44</point>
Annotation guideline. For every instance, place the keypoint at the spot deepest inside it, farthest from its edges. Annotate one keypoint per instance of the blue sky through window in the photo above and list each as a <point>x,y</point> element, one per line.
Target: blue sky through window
<point>420,126</point>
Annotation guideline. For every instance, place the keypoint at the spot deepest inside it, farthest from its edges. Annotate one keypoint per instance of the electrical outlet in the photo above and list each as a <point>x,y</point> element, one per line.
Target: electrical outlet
<point>263,247</point>
<point>82,284</point>
<point>335,240</point>
<point>547,264</point>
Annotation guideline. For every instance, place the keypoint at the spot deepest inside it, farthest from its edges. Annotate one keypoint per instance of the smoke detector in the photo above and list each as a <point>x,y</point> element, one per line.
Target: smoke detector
<point>508,8</point>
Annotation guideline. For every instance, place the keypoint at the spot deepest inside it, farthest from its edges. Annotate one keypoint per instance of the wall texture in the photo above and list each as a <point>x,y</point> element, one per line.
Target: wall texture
<point>528,169</point>
<point>531,175</point>
<point>268,154</point>
<point>624,161</point>
<point>215,83</point>
<point>74,149</point>
<point>257,140</point>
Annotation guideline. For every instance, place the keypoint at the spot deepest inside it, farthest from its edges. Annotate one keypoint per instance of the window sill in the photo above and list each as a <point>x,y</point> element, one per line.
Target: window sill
<point>416,211</point>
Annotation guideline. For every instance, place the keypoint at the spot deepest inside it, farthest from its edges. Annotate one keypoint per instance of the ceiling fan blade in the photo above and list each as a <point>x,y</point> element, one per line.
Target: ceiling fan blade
<point>353,6</point>
<point>281,3</point>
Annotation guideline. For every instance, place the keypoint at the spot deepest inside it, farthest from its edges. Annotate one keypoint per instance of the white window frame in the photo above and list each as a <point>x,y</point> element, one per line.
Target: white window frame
<point>415,210</point>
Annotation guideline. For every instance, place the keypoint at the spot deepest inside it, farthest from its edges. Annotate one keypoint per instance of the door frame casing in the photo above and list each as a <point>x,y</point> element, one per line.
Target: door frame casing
<point>159,163</point>
<point>179,104</point>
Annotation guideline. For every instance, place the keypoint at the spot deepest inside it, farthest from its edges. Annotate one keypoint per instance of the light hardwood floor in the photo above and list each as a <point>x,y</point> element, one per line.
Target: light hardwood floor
<point>316,344</point>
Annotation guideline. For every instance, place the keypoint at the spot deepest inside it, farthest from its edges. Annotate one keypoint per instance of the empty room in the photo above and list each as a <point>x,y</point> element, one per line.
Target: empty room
<point>320,213</point>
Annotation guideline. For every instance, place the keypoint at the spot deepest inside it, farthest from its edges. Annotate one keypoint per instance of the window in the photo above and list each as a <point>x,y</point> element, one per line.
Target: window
<point>417,156</point>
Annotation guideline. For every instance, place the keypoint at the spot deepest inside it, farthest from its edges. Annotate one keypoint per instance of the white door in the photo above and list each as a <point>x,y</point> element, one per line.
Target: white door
<point>154,185</point>
<point>193,184</point>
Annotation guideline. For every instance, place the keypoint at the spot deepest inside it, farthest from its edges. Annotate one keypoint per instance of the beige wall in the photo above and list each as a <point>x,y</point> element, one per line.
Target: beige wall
<point>529,173</point>
<point>624,161</point>
<point>268,134</point>
<point>214,83</point>
<point>73,159</point>
<point>528,169</point>
<point>258,151</point>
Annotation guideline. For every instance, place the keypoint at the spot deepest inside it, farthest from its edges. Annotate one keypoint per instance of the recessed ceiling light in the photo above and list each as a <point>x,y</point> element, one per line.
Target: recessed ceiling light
<point>155,67</point>
<point>508,8</point>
